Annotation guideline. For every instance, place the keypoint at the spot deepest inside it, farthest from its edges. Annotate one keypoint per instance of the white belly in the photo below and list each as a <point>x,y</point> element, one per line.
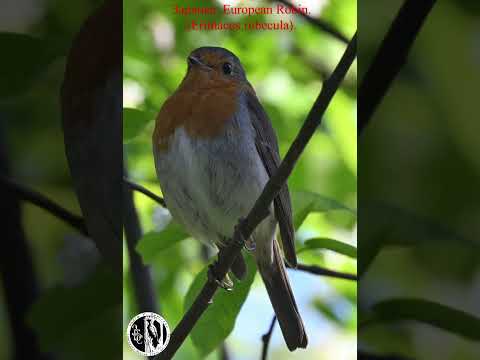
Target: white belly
<point>209,184</point>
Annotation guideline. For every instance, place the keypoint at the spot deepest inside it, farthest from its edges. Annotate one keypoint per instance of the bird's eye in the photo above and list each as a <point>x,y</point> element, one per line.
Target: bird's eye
<point>227,68</point>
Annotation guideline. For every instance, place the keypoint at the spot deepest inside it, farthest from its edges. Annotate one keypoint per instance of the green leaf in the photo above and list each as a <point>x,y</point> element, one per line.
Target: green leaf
<point>340,312</point>
<point>329,312</point>
<point>155,241</point>
<point>219,319</point>
<point>25,59</point>
<point>330,244</point>
<point>83,322</point>
<point>305,202</point>
<point>134,122</point>
<point>386,225</point>
<point>441,316</point>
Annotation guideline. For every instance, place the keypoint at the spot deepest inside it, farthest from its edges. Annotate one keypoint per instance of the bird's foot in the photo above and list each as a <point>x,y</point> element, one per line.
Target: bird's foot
<point>226,283</point>
<point>250,244</point>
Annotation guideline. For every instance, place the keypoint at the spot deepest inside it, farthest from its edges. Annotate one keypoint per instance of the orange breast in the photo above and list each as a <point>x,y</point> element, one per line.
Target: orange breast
<point>202,112</point>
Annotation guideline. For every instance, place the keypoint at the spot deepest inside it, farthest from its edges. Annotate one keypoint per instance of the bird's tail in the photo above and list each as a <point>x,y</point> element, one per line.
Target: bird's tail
<point>281,296</point>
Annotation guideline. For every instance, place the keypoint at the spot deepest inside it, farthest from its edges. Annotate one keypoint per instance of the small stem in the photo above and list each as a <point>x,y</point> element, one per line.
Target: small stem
<point>266,338</point>
<point>145,191</point>
<point>317,270</point>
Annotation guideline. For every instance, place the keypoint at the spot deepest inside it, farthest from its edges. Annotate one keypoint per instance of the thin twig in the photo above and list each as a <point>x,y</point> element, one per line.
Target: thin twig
<point>260,210</point>
<point>141,276</point>
<point>266,338</point>
<point>317,270</point>
<point>390,58</point>
<point>321,24</point>
<point>35,198</point>
<point>145,191</point>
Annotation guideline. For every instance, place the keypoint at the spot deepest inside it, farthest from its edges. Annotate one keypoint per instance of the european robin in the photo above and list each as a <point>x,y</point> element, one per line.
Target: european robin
<point>215,149</point>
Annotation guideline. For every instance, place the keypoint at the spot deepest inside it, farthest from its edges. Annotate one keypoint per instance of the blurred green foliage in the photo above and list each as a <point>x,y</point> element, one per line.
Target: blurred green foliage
<point>73,319</point>
<point>286,70</point>
<point>419,191</point>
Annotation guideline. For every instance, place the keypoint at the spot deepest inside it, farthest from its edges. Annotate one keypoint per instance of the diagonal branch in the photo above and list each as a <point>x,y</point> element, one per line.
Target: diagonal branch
<point>260,210</point>
<point>321,24</point>
<point>390,58</point>
<point>26,194</point>
<point>145,191</point>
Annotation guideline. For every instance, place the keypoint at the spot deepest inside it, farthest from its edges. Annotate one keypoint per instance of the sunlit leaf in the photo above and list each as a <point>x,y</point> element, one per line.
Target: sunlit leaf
<point>219,319</point>
<point>441,316</point>
<point>338,311</point>
<point>330,244</point>
<point>155,241</point>
<point>305,202</point>
<point>134,121</point>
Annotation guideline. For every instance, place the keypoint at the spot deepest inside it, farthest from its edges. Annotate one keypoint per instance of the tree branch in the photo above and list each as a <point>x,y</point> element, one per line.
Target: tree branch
<point>26,194</point>
<point>260,210</point>
<point>321,24</point>
<point>266,338</point>
<point>145,191</point>
<point>313,269</point>
<point>317,270</point>
<point>390,58</point>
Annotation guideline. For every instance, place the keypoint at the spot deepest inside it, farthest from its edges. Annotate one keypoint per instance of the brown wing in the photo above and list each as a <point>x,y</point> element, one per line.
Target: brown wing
<point>267,147</point>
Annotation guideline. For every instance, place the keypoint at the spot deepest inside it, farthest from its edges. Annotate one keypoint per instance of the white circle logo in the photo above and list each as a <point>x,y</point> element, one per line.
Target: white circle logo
<point>148,334</point>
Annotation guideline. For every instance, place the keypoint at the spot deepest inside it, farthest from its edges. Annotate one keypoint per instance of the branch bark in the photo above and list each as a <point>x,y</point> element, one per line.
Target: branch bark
<point>390,58</point>
<point>260,210</point>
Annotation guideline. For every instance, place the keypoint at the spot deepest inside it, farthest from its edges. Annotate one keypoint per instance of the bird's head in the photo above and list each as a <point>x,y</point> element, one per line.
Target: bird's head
<point>213,67</point>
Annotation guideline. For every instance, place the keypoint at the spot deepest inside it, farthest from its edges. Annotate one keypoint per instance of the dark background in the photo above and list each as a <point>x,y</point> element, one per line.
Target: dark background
<point>419,173</point>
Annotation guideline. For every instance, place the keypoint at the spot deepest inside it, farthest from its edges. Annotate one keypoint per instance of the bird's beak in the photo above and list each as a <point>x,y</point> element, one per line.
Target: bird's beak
<point>195,62</point>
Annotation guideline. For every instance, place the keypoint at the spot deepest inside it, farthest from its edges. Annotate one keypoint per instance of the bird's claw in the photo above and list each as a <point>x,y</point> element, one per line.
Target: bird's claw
<point>250,245</point>
<point>225,284</point>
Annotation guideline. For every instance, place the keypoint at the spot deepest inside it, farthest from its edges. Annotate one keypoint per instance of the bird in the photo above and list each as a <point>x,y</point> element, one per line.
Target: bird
<point>214,149</point>
<point>152,332</point>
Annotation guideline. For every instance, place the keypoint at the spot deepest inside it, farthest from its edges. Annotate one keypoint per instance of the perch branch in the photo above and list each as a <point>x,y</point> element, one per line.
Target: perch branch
<point>321,24</point>
<point>390,58</point>
<point>259,211</point>
<point>313,269</point>
<point>26,194</point>
<point>266,338</point>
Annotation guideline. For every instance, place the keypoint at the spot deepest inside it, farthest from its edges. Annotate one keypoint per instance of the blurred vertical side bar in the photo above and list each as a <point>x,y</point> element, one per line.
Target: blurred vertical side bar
<point>92,126</point>
<point>419,193</point>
